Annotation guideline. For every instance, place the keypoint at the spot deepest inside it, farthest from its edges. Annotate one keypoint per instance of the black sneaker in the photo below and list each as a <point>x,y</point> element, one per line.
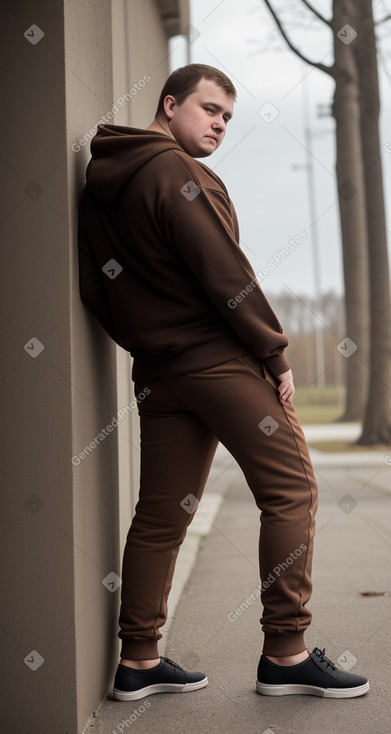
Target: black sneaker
<point>167,677</point>
<point>316,676</point>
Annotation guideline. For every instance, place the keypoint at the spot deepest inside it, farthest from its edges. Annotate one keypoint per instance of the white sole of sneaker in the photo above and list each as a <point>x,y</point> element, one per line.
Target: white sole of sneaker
<point>266,689</point>
<point>158,688</point>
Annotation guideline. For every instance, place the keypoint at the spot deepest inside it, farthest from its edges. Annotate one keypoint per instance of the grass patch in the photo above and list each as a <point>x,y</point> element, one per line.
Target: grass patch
<point>345,446</point>
<point>319,405</point>
<point>314,414</point>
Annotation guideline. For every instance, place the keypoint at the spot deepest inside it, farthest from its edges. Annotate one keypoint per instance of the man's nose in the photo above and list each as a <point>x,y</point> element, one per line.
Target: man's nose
<point>219,124</point>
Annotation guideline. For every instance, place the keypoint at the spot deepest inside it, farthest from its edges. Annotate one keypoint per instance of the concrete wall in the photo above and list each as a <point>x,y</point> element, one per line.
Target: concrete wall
<point>60,519</point>
<point>59,372</point>
<point>88,80</point>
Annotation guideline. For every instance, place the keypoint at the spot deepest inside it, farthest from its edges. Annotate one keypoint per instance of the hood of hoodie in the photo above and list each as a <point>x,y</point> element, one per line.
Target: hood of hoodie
<point>117,153</point>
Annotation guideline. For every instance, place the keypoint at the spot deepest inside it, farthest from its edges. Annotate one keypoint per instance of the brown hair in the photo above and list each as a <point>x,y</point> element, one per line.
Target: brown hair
<point>183,81</point>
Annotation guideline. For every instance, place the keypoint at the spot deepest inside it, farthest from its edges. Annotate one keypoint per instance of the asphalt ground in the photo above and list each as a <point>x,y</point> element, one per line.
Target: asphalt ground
<point>352,556</point>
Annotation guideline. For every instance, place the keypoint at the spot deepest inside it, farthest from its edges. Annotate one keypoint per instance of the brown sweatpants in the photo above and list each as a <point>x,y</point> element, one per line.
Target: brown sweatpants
<point>182,420</point>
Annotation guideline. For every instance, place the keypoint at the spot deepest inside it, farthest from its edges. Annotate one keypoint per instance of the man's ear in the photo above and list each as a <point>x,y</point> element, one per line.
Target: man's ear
<point>169,104</point>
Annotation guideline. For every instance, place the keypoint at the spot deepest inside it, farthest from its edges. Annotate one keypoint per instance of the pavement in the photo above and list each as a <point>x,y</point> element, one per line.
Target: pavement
<point>214,623</point>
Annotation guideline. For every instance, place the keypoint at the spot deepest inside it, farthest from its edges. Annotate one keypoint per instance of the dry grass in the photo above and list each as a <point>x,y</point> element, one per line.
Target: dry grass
<point>319,405</point>
<point>345,446</point>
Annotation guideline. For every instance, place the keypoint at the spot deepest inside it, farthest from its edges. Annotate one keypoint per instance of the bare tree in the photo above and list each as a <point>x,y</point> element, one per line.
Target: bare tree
<point>351,189</point>
<point>377,420</point>
<point>333,313</point>
<point>295,311</point>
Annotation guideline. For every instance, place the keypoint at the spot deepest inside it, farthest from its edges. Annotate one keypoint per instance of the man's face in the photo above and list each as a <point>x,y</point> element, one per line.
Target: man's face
<point>200,122</point>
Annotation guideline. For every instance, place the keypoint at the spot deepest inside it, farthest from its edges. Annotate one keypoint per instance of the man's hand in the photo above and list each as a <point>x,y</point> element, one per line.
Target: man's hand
<point>286,387</point>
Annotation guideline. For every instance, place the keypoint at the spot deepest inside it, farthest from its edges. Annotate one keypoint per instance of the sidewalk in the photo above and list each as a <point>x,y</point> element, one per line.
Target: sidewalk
<point>343,432</point>
<point>216,623</point>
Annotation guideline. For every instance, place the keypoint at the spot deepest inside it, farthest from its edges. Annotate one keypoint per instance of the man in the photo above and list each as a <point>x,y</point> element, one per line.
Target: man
<point>161,268</point>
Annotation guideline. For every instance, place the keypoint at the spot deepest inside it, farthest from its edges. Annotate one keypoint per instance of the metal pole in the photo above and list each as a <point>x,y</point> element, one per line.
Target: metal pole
<point>319,341</point>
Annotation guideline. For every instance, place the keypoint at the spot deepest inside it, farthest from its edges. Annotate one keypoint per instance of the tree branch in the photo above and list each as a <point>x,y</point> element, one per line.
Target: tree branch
<point>316,12</point>
<point>316,64</point>
<point>383,20</point>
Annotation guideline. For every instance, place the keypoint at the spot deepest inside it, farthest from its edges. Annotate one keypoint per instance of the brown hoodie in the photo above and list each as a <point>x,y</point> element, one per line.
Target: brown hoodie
<point>160,262</point>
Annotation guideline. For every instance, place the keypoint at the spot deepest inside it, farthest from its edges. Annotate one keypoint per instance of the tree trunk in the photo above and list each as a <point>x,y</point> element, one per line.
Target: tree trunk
<point>349,169</point>
<point>377,419</point>
<point>351,189</point>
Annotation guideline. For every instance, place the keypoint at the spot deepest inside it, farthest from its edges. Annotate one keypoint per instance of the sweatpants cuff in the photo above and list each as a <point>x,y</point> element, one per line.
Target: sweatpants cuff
<point>139,649</point>
<point>283,643</point>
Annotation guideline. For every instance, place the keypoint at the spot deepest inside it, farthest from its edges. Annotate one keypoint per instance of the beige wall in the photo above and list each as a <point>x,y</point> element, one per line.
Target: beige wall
<point>61,520</point>
<point>88,80</point>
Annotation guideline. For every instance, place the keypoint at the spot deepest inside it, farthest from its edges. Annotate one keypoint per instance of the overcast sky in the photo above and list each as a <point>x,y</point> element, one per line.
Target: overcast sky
<point>263,163</point>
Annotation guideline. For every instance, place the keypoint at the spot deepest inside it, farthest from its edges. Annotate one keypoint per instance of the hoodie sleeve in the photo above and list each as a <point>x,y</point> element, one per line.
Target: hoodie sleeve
<point>202,229</point>
<point>92,291</point>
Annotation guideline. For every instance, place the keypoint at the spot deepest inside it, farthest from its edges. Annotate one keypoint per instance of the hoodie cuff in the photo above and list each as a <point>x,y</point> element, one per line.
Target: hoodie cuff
<point>277,365</point>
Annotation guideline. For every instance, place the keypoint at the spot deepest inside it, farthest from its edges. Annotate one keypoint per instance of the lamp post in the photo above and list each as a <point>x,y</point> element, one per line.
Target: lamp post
<point>309,167</point>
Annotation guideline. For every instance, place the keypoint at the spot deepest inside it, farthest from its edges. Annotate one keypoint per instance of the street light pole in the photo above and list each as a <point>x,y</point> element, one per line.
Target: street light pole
<point>319,341</point>
<point>318,327</point>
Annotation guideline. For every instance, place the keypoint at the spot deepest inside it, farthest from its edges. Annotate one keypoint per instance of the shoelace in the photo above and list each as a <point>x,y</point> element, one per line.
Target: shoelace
<point>171,662</point>
<point>323,659</point>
